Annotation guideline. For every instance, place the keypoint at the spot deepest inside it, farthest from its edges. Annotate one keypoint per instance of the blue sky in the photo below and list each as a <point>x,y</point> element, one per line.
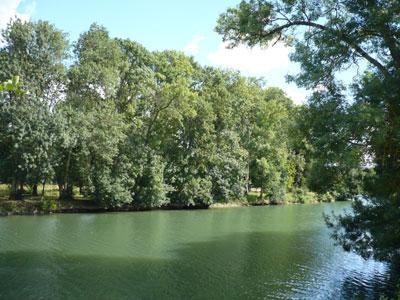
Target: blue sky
<point>160,24</point>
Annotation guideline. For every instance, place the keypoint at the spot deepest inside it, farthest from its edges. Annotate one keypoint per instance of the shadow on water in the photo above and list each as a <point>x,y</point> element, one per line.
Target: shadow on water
<point>235,266</point>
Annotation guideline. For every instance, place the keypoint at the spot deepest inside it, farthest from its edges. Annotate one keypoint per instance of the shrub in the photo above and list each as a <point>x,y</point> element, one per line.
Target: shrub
<point>48,205</point>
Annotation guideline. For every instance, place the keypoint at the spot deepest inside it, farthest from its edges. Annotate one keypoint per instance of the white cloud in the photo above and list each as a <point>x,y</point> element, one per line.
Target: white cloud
<point>271,63</point>
<point>299,96</point>
<point>193,47</point>
<point>256,61</point>
<point>9,9</point>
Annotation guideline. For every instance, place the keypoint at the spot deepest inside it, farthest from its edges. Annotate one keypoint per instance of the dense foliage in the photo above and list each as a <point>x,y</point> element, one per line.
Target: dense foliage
<point>347,135</point>
<point>125,126</point>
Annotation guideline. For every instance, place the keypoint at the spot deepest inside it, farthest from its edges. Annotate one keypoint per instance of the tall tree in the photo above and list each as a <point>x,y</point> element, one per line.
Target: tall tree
<point>35,51</point>
<point>93,129</point>
<point>95,75</point>
<point>330,36</point>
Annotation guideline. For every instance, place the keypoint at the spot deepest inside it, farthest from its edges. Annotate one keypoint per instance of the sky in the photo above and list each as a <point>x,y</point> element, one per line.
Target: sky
<point>184,25</point>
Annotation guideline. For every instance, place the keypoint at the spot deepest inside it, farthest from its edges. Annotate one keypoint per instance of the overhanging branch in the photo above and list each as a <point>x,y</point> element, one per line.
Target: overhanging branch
<point>348,40</point>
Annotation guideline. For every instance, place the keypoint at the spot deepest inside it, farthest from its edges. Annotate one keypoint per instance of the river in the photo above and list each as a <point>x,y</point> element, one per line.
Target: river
<point>277,252</point>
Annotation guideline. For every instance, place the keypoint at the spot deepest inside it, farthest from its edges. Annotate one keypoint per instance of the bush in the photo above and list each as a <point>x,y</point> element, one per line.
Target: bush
<point>197,191</point>
<point>8,206</point>
<point>300,195</point>
<point>48,205</point>
<point>327,197</point>
<point>289,198</point>
<point>110,192</point>
<point>151,190</point>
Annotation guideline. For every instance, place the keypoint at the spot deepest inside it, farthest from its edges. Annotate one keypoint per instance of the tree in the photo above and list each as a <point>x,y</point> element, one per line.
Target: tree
<point>27,138</point>
<point>226,93</point>
<point>95,75</point>
<point>176,129</point>
<point>137,78</point>
<point>331,36</point>
<point>93,130</point>
<point>268,149</point>
<point>8,89</point>
<point>36,52</point>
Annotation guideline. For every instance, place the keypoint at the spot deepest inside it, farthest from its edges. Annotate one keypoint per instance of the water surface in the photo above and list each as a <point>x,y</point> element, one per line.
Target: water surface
<point>240,253</point>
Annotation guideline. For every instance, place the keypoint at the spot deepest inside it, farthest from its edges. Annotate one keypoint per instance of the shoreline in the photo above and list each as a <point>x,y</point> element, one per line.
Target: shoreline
<point>33,208</point>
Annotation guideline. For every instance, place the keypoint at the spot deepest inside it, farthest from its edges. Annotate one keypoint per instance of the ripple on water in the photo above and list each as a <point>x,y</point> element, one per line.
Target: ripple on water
<point>254,253</point>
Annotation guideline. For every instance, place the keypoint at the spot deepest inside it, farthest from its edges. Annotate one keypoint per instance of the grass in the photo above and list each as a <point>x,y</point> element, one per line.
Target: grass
<point>38,204</point>
<point>253,197</point>
<point>4,192</point>
<point>50,193</point>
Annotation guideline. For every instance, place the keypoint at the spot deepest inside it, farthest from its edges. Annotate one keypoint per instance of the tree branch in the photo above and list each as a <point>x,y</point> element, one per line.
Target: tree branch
<point>348,40</point>
<point>391,42</point>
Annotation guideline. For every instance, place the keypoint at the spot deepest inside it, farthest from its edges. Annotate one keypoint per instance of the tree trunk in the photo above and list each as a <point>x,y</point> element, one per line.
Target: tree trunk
<point>65,192</point>
<point>64,186</point>
<point>35,190</point>
<point>248,178</point>
<point>44,184</point>
<point>15,193</point>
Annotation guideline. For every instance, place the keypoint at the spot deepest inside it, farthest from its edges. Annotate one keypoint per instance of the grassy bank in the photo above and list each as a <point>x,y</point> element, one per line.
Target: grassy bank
<point>296,197</point>
<point>41,204</point>
<point>49,203</point>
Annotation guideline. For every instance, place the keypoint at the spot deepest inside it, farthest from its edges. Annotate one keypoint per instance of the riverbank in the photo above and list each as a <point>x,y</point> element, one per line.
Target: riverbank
<point>49,204</point>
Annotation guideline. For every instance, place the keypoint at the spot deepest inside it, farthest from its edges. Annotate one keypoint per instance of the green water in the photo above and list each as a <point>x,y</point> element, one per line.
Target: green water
<point>239,253</point>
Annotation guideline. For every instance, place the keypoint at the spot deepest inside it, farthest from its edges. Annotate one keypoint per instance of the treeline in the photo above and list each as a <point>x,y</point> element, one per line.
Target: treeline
<point>130,126</point>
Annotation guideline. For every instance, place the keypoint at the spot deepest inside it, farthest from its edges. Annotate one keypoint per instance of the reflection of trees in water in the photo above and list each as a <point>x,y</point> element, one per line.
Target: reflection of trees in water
<point>358,286</point>
<point>237,266</point>
<point>178,255</point>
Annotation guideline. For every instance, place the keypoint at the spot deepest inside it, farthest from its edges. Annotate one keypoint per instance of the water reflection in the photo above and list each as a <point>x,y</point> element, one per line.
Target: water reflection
<point>256,253</point>
<point>371,284</point>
